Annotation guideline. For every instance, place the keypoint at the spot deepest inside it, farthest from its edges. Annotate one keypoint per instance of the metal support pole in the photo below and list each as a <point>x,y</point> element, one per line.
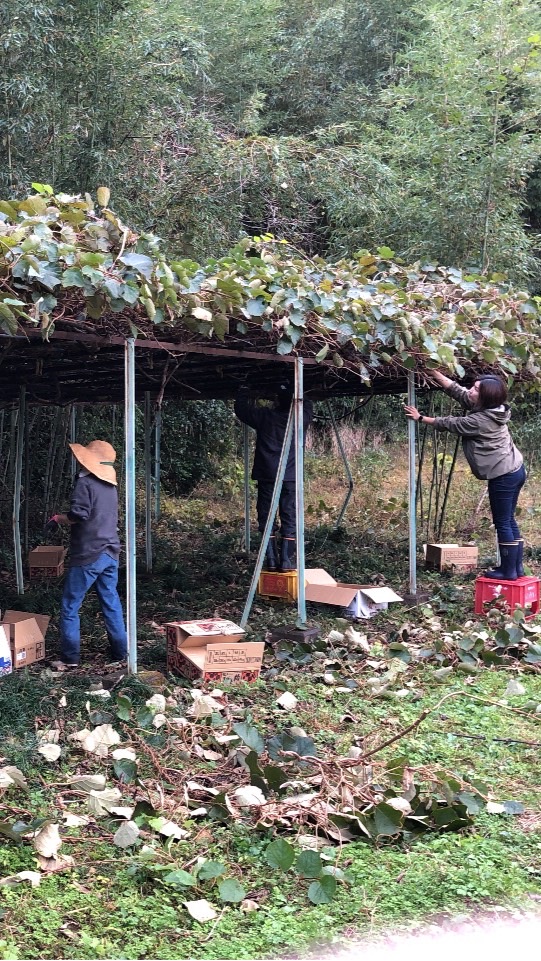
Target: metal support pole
<point>299,490</point>
<point>131,545</point>
<point>346,465</point>
<point>157,463</point>
<point>282,464</point>
<point>17,491</point>
<point>412,515</point>
<point>246,452</point>
<point>73,428</point>
<point>148,482</point>
<point>26,482</point>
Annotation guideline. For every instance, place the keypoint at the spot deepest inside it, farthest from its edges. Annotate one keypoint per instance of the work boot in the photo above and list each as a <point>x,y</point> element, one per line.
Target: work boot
<point>271,555</point>
<point>507,571</point>
<point>520,558</point>
<point>289,554</point>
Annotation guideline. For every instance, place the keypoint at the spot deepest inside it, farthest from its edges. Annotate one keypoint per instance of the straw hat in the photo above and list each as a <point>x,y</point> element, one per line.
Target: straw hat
<point>97,457</point>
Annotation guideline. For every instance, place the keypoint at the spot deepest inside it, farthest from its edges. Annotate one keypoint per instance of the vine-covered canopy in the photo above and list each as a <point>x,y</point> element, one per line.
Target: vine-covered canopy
<point>71,271</point>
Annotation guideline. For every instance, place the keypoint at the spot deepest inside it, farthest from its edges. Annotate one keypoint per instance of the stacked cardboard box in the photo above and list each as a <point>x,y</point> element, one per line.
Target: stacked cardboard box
<point>212,650</point>
<point>46,561</point>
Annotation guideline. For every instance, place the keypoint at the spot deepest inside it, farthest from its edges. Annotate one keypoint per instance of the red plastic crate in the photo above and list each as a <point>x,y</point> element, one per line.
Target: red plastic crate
<point>524,592</point>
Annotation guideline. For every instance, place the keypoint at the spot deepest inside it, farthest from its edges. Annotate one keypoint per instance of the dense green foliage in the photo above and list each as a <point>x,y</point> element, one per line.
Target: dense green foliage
<point>337,125</point>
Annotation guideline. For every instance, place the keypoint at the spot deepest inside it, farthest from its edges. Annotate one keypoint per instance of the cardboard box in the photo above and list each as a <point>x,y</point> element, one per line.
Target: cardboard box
<point>278,584</point>
<point>46,561</point>
<point>5,652</point>
<point>212,650</point>
<point>442,557</point>
<point>188,634</point>
<point>26,636</point>
<point>357,600</point>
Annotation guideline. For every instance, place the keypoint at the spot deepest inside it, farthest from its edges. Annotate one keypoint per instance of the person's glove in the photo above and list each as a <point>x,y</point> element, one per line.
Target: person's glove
<point>52,524</point>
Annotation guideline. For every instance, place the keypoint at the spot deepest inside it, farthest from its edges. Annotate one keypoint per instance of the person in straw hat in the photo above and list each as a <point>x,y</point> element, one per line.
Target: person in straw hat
<point>94,551</point>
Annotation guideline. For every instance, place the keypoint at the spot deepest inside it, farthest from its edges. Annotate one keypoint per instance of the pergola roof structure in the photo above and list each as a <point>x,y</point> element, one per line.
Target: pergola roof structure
<point>89,368</point>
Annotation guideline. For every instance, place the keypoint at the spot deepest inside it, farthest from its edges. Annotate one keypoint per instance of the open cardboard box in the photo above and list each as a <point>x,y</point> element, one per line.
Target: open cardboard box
<point>46,561</point>
<point>441,557</point>
<point>212,649</point>
<point>357,600</point>
<point>26,636</point>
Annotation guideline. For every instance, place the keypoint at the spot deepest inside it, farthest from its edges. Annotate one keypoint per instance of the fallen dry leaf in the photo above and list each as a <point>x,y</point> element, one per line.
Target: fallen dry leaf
<point>248,905</point>
<point>200,910</point>
<point>287,701</point>
<point>126,835</point>
<point>51,752</point>
<point>101,802</point>
<point>10,775</point>
<point>33,876</point>
<point>120,754</point>
<point>97,741</point>
<point>63,862</point>
<point>87,782</point>
<point>47,840</point>
<point>249,796</point>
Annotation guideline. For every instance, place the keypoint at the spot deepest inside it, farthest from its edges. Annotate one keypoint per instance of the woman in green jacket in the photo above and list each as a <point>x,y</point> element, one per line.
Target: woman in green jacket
<point>492,456</point>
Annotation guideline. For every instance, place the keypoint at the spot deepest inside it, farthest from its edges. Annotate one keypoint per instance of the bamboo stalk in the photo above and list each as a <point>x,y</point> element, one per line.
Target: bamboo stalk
<point>50,462</point>
<point>447,489</point>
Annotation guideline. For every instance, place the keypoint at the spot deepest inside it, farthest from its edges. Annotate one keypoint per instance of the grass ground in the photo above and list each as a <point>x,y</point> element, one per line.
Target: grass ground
<point>111,902</point>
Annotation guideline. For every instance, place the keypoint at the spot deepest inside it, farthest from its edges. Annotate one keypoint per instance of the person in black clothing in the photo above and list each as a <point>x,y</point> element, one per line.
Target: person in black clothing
<point>270,425</point>
<point>94,551</point>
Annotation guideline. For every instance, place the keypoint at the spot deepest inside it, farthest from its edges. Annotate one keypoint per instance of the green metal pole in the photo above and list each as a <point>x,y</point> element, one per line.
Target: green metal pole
<point>299,489</point>
<point>157,463</point>
<point>282,464</point>
<point>131,544</point>
<point>412,516</point>
<point>17,491</point>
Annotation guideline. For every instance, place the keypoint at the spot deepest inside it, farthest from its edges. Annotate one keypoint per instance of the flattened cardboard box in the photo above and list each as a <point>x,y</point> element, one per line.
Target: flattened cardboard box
<point>26,636</point>
<point>211,650</point>
<point>46,561</point>
<point>441,557</point>
<point>358,600</point>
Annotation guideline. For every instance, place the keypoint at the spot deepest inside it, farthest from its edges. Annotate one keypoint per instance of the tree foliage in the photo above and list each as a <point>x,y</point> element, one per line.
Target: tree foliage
<point>337,125</point>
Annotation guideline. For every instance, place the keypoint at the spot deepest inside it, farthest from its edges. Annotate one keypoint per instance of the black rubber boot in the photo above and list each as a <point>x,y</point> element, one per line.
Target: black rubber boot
<point>271,555</point>
<point>520,558</point>
<point>289,554</point>
<point>507,571</point>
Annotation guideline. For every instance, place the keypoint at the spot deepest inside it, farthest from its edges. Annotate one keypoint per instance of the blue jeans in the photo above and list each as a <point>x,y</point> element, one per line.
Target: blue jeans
<point>103,575</point>
<point>503,495</point>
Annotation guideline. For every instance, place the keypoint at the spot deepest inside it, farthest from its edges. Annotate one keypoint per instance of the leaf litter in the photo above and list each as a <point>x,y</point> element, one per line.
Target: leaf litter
<point>274,779</point>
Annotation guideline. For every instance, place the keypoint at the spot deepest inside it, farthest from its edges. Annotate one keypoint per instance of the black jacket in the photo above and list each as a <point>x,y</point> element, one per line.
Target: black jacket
<point>270,425</point>
<point>94,511</point>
